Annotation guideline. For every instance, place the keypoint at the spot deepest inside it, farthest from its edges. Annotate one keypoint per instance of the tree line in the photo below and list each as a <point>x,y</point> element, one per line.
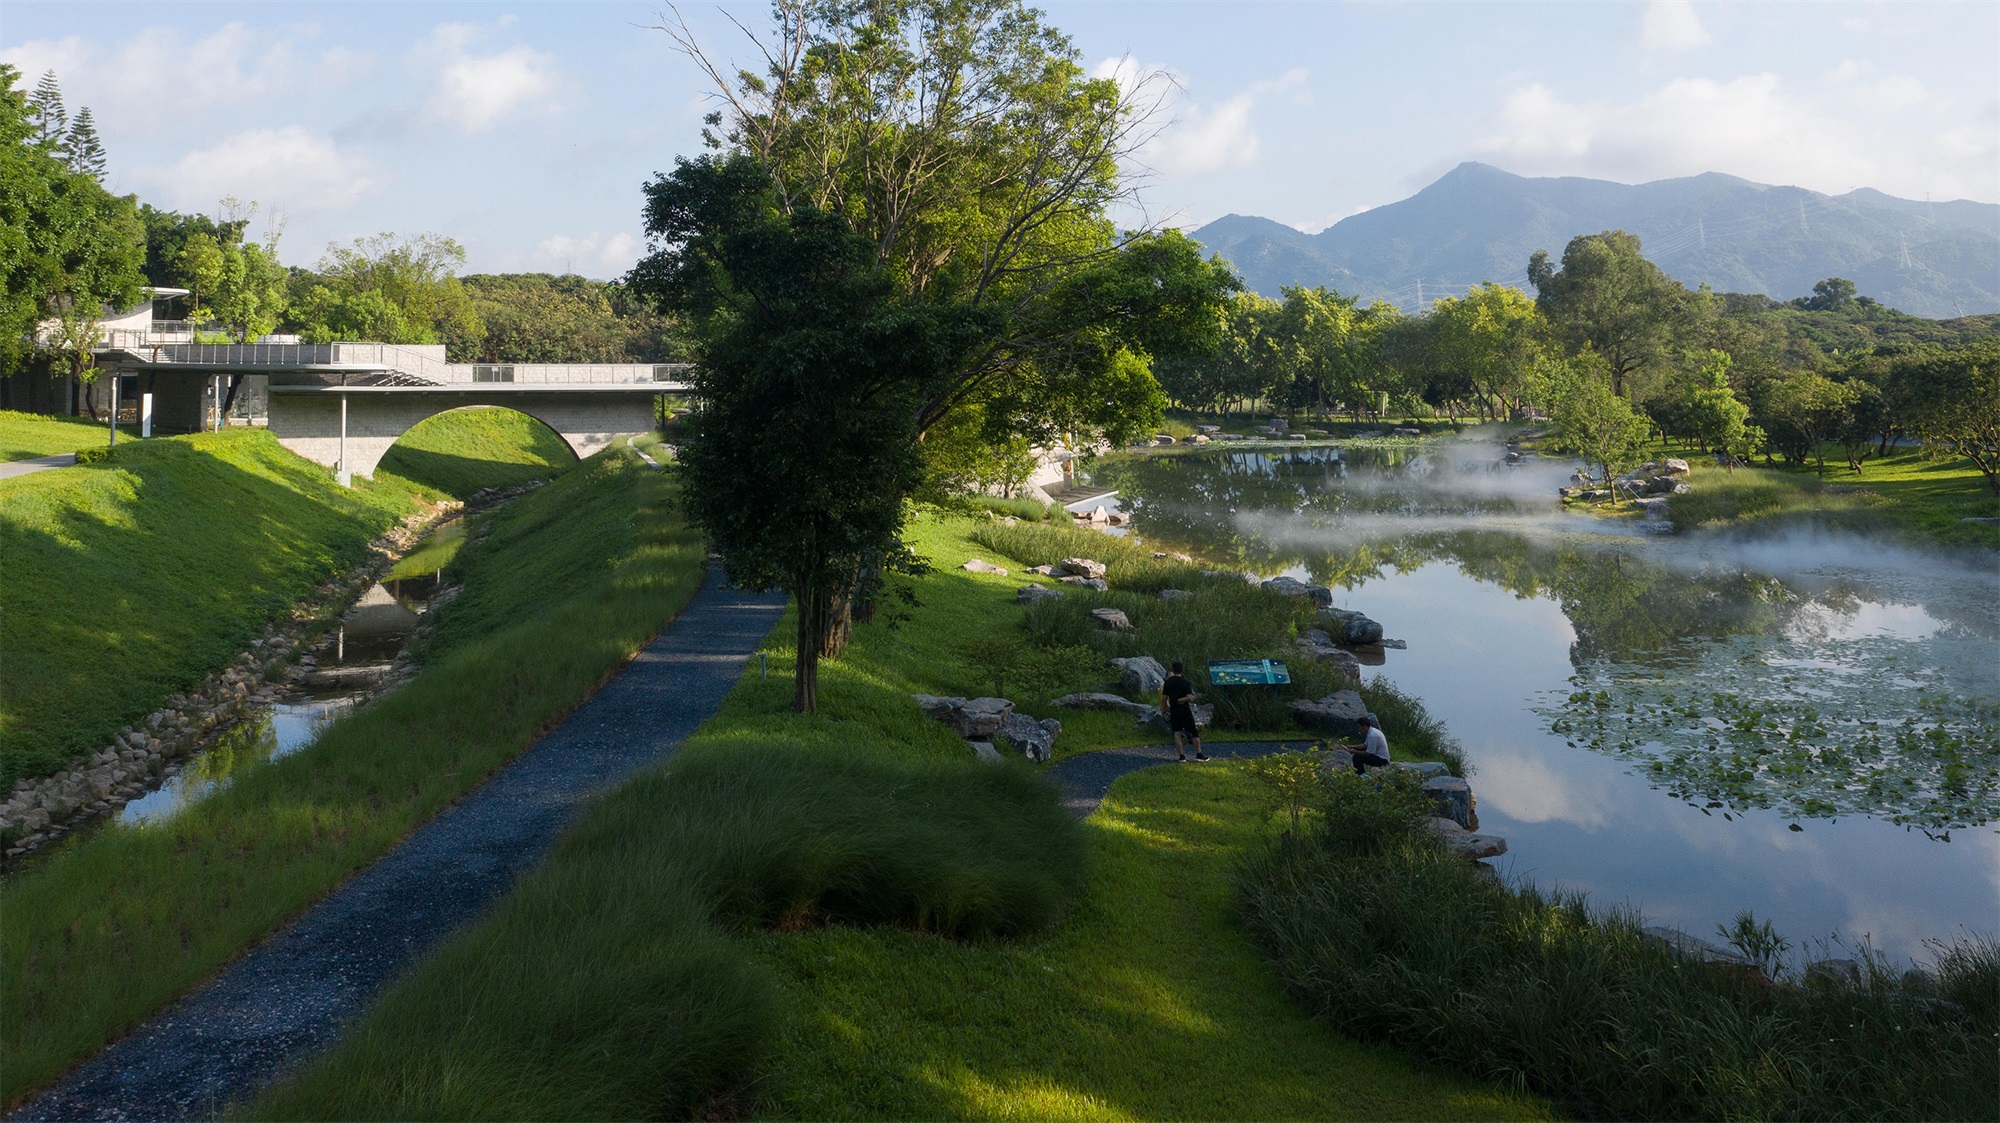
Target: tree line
<point>1615,351</point>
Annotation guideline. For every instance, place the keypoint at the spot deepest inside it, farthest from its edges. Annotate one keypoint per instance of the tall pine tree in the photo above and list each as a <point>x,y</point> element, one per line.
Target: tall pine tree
<point>47,119</point>
<point>81,149</point>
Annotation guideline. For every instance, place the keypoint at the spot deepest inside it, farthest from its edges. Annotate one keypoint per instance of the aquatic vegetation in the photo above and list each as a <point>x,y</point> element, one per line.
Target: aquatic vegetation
<point>1789,723</point>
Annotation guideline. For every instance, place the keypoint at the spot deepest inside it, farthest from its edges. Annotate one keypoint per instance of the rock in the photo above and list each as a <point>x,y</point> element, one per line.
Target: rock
<point>1351,627</point>
<point>977,719</point>
<point>1208,428</point>
<point>1141,675</point>
<point>1097,583</point>
<point>977,566</point>
<point>1120,518</point>
<point>1112,618</point>
<point>1473,847</point>
<point>1337,713</point>
<point>1396,644</point>
<point>985,751</point>
<point>1287,586</point>
<point>1424,768</point>
<point>1295,436</point>
<point>1043,571</point>
<point>1409,432</point>
<point>1692,947</point>
<point>1036,594</point>
<point>1453,799</point>
<point>1163,439</point>
<point>1675,466</point>
<point>1083,567</point>
<point>1196,439</point>
<point>1654,506</point>
<point>1035,739</point>
<point>1336,761</point>
<point>1103,701</point>
<point>1315,637</point>
<point>1099,515</point>
<point>1343,661</point>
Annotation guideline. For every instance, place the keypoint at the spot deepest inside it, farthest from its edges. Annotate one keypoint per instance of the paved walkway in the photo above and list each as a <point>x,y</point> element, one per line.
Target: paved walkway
<point>1085,778</point>
<point>11,468</point>
<point>288,997</point>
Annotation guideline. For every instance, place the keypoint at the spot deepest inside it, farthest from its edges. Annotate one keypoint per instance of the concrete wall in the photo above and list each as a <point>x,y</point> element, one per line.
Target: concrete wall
<point>309,424</point>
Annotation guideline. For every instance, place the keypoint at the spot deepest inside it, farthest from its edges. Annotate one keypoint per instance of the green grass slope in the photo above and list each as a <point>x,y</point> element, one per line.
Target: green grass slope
<point>27,435</point>
<point>463,451</point>
<point>847,916</point>
<point>100,934</point>
<point>126,581</point>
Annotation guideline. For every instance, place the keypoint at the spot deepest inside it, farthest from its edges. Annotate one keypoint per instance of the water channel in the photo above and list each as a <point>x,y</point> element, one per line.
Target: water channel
<point>360,651</point>
<point>1801,724</point>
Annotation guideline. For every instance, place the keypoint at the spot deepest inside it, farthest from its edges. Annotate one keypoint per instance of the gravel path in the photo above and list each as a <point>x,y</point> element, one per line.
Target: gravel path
<point>287,998</point>
<point>1085,778</point>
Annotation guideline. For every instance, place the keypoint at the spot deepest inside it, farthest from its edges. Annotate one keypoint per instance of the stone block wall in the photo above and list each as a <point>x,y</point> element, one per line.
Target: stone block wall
<point>309,424</point>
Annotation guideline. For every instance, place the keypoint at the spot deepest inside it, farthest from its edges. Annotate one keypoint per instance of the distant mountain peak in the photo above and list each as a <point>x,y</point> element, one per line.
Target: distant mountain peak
<point>1479,223</point>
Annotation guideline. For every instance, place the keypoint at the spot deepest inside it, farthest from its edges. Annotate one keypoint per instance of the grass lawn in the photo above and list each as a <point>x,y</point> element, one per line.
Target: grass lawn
<point>1145,1000</point>
<point>463,451</point>
<point>1904,493</point>
<point>1150,1003</point>
<point>567,584</point>
<point>24,436</point>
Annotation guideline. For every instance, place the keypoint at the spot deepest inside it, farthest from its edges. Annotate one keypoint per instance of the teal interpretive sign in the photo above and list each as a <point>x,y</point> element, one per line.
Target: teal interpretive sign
<point>1248,672</point>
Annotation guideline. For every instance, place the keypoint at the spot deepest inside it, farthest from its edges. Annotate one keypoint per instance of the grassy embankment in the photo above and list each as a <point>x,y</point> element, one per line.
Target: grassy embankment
<point>129,580</point>
<point>847,917</point>
<point>1380,933</point>
<point>567,584</point>
<point>24,436</point>
<point>1924,500</point>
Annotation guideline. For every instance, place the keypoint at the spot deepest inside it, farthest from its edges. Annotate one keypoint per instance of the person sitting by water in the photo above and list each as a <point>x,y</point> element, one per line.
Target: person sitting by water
<point>1373,748</point>
<point>1177,702</point>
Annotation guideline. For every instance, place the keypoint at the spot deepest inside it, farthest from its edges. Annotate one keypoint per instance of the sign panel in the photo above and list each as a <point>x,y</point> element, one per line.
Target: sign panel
<point>1248,672</point>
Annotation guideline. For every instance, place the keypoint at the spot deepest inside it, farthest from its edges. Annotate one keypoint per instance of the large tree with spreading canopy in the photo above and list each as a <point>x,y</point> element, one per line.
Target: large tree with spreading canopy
<point>962,144</point>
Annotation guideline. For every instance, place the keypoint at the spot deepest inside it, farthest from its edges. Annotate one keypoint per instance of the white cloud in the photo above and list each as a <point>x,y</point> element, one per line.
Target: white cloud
<point>290,168</point>
<point>1673,25</point>
<point>1195,139</point>
<point>1751,127</point>
<point>477,92</point>
<point>591,255</point>
<point>162,77</point>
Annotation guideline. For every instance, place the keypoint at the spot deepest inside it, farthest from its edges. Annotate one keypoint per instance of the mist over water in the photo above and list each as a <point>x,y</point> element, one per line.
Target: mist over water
<point>1805,724</point>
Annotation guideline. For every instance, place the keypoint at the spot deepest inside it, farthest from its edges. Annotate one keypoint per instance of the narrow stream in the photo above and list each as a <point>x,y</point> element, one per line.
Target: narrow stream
<point>345,673</point>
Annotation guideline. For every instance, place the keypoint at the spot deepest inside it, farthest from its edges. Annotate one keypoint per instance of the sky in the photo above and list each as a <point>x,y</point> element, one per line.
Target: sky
<point>526,131</point>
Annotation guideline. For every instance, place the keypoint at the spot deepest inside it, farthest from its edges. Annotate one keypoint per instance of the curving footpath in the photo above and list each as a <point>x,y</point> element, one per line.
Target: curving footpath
<point>1086,777</point>
<point>288,997</point>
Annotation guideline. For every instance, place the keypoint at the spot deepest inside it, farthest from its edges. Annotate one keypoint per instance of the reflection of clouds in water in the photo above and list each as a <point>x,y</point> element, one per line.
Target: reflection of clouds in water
<point>1288,530</point>
<point>1819,622</point>
<point>1527,789</point>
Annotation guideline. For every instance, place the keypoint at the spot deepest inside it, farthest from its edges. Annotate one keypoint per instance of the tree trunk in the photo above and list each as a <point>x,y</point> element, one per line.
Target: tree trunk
<point>813,605</point>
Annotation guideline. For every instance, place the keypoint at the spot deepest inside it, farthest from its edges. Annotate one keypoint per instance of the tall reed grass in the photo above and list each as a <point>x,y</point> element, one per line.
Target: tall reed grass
<point>1379,933</point>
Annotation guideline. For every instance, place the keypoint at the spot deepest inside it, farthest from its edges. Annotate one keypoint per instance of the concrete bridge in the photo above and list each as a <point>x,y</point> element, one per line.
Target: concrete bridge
<point>344,404</point>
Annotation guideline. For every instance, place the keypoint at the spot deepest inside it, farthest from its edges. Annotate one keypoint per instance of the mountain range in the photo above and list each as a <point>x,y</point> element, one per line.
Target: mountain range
<point>1479,223</point>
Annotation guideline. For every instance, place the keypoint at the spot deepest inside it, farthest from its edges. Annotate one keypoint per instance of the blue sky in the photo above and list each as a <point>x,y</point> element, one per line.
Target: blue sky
<point>526,130</point>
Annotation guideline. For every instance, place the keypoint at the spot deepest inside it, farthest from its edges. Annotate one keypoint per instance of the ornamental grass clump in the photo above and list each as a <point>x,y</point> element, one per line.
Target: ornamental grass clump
<point>1380,933</point>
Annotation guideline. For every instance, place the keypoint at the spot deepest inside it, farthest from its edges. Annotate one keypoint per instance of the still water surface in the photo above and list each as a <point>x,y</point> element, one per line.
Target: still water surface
<point>1804,725</point>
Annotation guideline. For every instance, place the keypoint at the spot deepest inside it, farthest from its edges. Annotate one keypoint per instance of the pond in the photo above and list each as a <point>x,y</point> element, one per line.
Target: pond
<point>1800,724</point>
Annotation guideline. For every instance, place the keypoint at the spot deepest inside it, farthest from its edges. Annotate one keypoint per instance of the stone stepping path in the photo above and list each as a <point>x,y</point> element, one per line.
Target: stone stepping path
<point>289,997</point>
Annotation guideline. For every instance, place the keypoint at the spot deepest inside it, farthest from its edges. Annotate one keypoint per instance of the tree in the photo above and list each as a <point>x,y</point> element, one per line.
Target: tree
<point>1960,414</point>
<point>1835,294</point>
<point>1312,331</point>
<point>391,290</point>
<point>1490,341</point>
<point>1711,412</point>
<point>1802,413</point>
<point>962,142</point>
<point>46,115</point>
<point>81,149</point>
<point>1592,420</point>
<point>1609,297</point>
<point>65,242</point>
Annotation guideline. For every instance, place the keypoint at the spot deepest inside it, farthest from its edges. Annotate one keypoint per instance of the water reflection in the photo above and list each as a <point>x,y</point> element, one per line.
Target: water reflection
<point>1699,723</point>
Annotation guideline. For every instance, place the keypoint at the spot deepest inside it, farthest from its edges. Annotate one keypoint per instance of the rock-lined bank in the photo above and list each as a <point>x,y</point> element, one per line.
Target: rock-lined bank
<point>145,755</point>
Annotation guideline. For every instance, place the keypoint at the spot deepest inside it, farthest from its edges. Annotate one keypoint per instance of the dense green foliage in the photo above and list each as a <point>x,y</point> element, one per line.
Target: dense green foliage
<point>568,583</point>
<point>129,580</point>
<point>1381,934</point>
<point>67,246</point>
<point>539,318</point>
<point>463,451</point>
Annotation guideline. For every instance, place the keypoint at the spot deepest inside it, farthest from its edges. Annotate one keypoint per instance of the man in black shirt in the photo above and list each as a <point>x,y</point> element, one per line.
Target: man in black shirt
<point>1177,702</point>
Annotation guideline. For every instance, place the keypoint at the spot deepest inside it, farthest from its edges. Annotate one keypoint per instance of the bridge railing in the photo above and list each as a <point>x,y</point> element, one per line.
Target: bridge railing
<point>568,374</point>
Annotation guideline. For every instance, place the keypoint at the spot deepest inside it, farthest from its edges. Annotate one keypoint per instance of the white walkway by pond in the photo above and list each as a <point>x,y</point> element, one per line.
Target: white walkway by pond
<point>13,468</point>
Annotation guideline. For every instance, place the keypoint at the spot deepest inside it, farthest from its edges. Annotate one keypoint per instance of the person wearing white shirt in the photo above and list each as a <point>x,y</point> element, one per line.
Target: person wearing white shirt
<point>1373,748</point>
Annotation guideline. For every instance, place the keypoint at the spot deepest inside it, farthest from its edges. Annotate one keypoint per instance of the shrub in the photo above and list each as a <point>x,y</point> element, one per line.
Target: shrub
<point>1377,931</point>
